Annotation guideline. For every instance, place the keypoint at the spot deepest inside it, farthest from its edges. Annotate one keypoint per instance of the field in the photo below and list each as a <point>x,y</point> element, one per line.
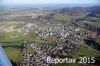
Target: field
<point>84,51</point>
<point>13,52</point>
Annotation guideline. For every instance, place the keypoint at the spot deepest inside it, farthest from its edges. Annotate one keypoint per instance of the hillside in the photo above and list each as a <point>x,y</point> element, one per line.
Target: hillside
<point>64,15</point>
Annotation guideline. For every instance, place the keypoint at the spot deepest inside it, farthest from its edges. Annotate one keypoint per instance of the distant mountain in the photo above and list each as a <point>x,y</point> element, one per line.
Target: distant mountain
<point>76,12</point>
<point>94,11</point>
<point>65,15</point>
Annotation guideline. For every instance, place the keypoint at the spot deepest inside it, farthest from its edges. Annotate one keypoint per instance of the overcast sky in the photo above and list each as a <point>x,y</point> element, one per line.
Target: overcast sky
<point>49,2</point>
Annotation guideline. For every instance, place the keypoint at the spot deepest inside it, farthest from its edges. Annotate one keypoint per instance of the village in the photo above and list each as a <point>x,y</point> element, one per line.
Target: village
<point>68,42</point>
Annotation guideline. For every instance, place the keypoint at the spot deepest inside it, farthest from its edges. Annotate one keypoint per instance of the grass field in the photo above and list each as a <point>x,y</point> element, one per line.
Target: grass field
<point>16,37</point>
<point>64,64</point>
<point>59,16</point>
<point>84,51</point>
<point>13,52</point>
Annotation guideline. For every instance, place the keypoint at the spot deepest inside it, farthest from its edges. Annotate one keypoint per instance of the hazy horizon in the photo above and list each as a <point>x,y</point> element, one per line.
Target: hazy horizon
<point>49,3</point>
<point>32,2</point>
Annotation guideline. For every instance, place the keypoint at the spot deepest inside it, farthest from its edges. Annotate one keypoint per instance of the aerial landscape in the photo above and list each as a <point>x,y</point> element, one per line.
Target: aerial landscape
<point>50,33</point>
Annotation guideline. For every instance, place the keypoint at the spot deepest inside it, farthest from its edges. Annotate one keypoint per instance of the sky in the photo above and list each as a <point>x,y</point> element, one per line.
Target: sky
<point>22,2</point>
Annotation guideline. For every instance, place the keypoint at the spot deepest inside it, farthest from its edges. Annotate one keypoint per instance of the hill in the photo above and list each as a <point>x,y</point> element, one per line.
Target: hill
<point>64,15</point>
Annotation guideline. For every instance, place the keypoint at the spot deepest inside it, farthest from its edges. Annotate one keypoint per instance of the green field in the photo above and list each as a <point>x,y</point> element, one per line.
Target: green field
<point>59,16</point>
<point>84,51</point>
<point>64,64</point>
<point>13,52</point>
